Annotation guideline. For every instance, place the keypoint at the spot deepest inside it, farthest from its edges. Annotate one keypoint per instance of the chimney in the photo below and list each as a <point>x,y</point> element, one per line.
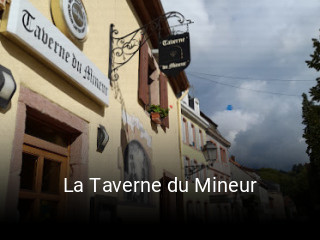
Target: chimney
<point>195,105</point>
<point>185,100</point>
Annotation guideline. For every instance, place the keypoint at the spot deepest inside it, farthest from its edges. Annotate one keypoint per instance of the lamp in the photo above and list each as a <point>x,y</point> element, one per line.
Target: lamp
<point>210,152</point>
<point>7,87</point>
<point>102,138</point>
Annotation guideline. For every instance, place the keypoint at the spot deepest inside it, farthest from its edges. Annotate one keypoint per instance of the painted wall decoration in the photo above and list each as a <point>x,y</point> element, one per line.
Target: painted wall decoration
<point>136,168</point>
<point>136,156</point>
<point>135,126</point>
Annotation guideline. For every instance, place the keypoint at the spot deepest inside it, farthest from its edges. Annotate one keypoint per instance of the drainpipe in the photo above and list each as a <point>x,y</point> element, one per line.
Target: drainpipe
<point>180,132</point>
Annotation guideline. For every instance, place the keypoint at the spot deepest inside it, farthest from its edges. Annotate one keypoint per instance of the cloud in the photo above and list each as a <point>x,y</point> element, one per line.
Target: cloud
<point>202,26</point>
<point>231,123</point>
<point>265,39</point>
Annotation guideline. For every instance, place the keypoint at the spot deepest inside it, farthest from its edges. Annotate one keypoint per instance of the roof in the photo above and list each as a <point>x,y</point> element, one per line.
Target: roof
<point>213,130</point>
<point>249,172</point>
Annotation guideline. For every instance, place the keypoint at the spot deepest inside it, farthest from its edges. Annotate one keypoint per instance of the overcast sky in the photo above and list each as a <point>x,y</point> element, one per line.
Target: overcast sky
<point>254,42</point>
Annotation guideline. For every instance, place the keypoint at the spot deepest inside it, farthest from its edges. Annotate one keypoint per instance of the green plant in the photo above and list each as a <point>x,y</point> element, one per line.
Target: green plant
<point>157,109</point>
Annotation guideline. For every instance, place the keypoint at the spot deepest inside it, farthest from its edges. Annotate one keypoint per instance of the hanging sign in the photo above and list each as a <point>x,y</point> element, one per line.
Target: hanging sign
<point>37,34</point>
<point>174,53</point>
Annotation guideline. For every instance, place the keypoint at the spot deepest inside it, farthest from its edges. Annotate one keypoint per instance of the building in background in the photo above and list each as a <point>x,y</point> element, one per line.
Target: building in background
<point>265,204</point>
<point>197,132</point>
<point>277,202</point>
<point>193,140</point>
<point>219,170</point>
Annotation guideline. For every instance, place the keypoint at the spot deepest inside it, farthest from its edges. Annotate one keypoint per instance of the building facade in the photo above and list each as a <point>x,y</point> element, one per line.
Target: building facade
<point>65,104</point>
<point>250,206</point>
<point>196,131</point>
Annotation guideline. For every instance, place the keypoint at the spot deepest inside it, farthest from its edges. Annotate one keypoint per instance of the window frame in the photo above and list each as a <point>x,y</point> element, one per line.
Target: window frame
<point>45,150</point>
<point>223,155</point>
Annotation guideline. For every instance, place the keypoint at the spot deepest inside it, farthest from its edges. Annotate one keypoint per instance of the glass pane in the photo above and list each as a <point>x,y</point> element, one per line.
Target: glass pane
<point>28,171</point>
<point>25,208</point>
<point>48,210</point>
<point>51,177</point>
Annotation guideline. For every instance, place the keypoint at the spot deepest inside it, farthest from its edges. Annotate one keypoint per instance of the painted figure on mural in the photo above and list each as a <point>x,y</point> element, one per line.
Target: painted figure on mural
<point>136,168</point>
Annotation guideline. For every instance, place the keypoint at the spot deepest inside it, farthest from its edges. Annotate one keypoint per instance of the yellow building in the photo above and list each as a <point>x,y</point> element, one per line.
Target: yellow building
<point>65,103</point>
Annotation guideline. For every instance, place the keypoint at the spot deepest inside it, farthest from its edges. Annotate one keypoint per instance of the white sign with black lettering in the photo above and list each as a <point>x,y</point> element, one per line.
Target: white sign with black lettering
<point>33,30</point>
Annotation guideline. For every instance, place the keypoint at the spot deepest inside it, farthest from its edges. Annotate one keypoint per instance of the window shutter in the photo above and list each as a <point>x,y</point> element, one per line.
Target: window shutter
<point>196,129</point>
<point>199,139</point>
<point>183,130</point>
<point>143,91</point>
<point>190,131</point>
<point>164,97</point>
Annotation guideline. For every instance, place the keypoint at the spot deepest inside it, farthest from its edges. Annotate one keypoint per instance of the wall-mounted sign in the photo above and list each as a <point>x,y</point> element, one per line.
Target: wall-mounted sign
<point>70,17</point>
<point>174,53</point>
<point>33,31</point>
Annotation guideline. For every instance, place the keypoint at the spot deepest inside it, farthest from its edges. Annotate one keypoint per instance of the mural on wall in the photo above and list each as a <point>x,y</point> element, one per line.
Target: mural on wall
<point>135,129</point>
<point>136,151</point>
<point>136,168</point>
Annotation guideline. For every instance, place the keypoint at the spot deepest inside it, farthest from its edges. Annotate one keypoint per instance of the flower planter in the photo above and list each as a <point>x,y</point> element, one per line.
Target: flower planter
<point>155,117</point>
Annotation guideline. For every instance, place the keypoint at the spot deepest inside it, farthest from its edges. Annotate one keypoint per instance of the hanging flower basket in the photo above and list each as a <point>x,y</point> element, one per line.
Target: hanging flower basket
<point>157,113</point>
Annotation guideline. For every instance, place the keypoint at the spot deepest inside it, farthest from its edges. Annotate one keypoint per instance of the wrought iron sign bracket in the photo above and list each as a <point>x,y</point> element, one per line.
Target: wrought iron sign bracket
<point>122,49</point>
<point>190,170</point>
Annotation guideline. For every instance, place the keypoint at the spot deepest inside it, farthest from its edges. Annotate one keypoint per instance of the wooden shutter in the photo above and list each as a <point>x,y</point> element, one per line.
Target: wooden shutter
<point>190,134</point>
<point>183,130</point>
<point>164,97</point>
<point>143,91</point>
<point>197,145</point>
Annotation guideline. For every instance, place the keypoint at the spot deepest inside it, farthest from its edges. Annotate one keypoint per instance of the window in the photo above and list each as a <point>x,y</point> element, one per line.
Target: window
<point>193,135</point>
<point>153,85</point>
<point>223,155</point>
<point>44,167</point>
<point>41,180</point>
<point>215,144</point>
<point>184,129</point>
<point>197,138</point>
<point>191,132</point>
<point>200,139</point>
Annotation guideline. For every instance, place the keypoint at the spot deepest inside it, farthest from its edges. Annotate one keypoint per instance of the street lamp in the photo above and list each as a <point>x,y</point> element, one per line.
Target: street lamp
<point>7,87</point>
<point>210,152</point>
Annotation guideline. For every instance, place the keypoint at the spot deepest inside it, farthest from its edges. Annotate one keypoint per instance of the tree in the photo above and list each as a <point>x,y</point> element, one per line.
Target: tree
<point>311,120</point>
<point>311,111</point>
